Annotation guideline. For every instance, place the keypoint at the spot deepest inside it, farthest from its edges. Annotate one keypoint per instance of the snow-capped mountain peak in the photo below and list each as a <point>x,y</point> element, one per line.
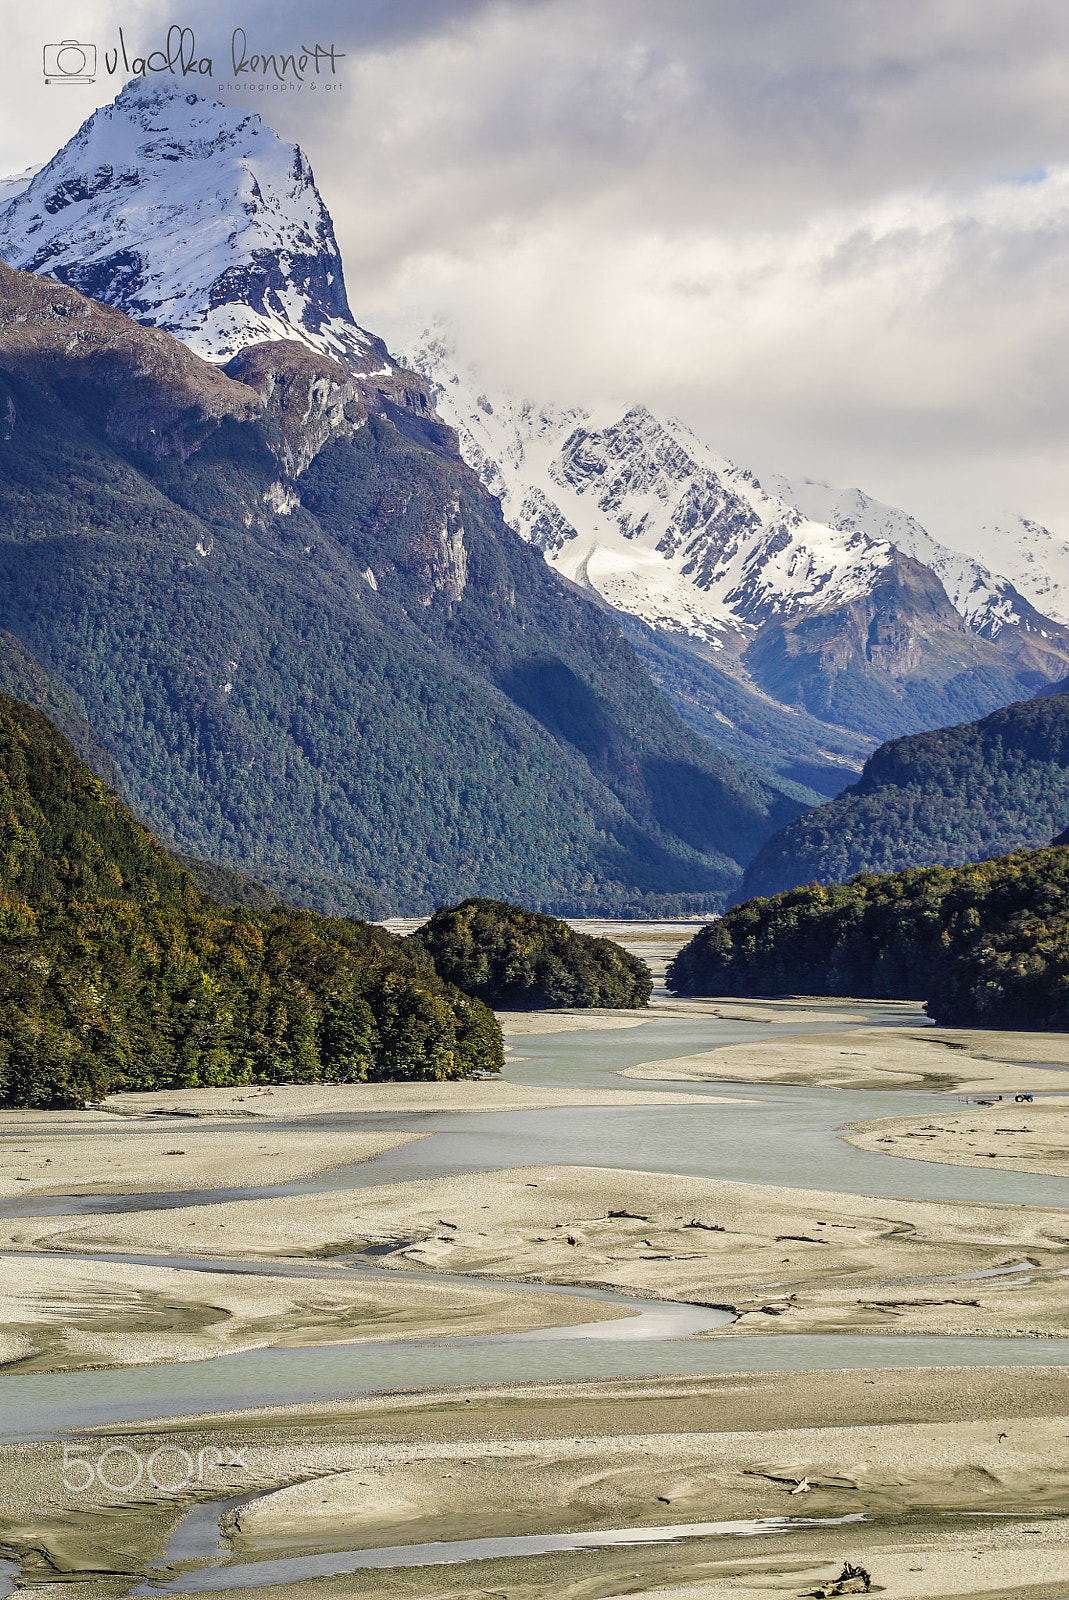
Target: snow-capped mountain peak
<point>191,216</point>
<point>986,601</point>
<point>641,510</point>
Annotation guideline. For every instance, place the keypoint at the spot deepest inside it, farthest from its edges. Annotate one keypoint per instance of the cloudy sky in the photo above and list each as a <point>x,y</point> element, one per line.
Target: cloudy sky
<point>830,234</point>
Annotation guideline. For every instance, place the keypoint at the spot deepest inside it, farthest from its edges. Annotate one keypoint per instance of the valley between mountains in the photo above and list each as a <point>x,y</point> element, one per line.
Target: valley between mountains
<point>345,622</point>
<point>435,1244</point>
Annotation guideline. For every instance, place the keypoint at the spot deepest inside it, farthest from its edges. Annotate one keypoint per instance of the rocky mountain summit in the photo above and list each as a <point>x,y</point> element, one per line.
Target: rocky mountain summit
<point>193,217</point>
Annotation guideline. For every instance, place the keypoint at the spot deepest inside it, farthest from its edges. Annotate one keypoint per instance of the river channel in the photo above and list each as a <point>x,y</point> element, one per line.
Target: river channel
<point>781,1135</point>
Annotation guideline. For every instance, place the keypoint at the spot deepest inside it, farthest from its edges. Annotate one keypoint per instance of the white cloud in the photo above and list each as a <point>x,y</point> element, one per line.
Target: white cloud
<point>831,236</point>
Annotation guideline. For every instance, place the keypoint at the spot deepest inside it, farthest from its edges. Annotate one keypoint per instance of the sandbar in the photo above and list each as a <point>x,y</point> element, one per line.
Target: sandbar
<point>1014,1138</point>
<point>786,1260</point>
<point>949,1061</point>
<point>291,1101</point>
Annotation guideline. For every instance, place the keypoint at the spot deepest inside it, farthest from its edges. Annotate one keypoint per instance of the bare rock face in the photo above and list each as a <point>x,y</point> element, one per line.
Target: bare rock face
<point>310,397</point>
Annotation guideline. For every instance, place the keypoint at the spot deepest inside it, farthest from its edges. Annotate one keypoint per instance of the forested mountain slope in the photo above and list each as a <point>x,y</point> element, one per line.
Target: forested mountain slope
<point>947,797</point>
<point>62,832</point>
<point>314,649</point>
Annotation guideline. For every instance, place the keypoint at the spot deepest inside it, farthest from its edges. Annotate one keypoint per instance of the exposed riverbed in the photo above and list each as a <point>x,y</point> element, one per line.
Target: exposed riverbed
<point>752,1171</point>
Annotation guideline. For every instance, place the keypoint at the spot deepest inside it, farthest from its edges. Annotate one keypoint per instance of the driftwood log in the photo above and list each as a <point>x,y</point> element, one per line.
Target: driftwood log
<point>851,1580</point>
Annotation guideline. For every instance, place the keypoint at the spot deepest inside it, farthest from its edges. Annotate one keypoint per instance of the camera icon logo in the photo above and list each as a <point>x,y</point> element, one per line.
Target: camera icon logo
<point>70,62</point>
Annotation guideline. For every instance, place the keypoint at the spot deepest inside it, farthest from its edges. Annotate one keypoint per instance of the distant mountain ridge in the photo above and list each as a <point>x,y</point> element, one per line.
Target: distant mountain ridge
<point>837,608</point>
<point>989,604</point>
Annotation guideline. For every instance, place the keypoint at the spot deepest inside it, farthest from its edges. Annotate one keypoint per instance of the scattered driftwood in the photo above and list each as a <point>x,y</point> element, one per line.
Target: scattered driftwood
<point>800,1238</point>
<point>793,1483</point>
<point>634,1216</point>
<point>851,1580</point>
<point>709,1227</point>
<point>891,1305</point>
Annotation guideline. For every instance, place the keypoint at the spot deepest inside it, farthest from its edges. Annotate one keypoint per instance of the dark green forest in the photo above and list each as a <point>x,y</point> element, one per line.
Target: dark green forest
<point>747,725</point>
<point>523,960</point>
<point>116,972</point>
<point>357,680</point>
<point>947,797</point>
<point>984,945</point>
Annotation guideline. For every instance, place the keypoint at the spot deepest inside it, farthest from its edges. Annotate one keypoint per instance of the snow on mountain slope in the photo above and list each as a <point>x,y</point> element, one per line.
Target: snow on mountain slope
<point>668,531</point>
<point>639,509</point>
<point>1035,559</point>
<point>190,216</point>
<point>986,601</point>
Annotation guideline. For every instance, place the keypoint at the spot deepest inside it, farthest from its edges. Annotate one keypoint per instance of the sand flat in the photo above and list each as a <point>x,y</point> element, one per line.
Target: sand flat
<point>1014,1138</point>
<point>916,1452</point>
<point>950,1061</point>
<point>426,1492</point>
<point>114,1156</point>
<point>786,1260</point>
